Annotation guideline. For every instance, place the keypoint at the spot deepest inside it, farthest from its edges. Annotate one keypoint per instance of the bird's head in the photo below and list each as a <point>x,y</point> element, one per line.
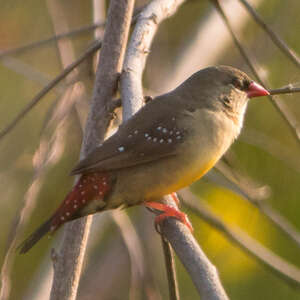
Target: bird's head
<point>221,88</point>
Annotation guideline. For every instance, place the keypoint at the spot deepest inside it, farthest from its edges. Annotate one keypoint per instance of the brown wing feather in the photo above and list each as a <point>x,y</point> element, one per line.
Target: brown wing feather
<point>140,140</point>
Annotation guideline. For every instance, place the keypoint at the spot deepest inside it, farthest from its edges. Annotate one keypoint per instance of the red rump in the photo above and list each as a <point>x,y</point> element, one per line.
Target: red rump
<point>90,187</point>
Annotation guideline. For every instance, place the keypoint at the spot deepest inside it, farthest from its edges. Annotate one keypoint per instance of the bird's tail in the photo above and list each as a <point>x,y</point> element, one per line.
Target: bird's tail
<point>88,188</point>
<point>35,236</point>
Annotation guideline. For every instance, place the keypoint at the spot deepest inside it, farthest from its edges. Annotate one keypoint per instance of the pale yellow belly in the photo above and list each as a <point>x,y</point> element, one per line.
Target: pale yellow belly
<point>186,177</point>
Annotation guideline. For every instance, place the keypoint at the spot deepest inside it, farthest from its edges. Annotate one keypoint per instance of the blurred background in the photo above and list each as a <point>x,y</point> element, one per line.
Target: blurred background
<point>258,180</point>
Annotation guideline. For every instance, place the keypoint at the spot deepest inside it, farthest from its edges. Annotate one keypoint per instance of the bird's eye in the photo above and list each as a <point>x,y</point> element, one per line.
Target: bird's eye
<point>241,85</point>
<point>246,84</point>
<point>237,83</point>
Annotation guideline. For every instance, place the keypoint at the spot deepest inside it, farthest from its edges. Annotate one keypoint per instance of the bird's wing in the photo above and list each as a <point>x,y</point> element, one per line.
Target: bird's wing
<point>149,135</point>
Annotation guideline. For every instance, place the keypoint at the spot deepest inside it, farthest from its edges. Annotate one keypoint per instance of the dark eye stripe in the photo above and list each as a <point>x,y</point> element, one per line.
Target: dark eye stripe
<point>236,82</point>
<point>241,85</point>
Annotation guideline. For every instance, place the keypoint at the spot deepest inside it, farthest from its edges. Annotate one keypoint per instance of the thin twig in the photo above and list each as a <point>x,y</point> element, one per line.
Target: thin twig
<point>273,35</point>
<point>170,268</point>
<point>68,265</point>
<point>96,46</point>
<point>273,262</point>
<point>57,37</point>
<point>280,107</point>
<point>284,90</point>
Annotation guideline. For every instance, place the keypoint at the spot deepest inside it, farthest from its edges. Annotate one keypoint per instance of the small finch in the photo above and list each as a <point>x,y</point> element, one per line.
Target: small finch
<point>167,145</point>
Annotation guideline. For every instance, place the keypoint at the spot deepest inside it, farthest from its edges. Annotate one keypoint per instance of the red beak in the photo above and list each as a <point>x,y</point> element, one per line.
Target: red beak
<point>256,90</point>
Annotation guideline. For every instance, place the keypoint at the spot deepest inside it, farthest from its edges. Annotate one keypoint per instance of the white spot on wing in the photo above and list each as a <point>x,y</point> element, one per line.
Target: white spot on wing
<point>121,148</point>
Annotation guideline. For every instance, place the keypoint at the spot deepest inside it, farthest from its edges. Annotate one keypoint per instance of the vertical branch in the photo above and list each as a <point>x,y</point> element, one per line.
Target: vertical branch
<point>203,273</point>
<point>68,262</point>
<point>132,90</point>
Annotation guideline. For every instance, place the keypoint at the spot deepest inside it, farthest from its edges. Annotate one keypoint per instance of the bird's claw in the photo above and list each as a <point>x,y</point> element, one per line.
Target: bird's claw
<point>168,212</point>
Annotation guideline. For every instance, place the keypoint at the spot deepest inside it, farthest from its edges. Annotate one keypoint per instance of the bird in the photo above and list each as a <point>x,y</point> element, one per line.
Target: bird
<point>168,144</point>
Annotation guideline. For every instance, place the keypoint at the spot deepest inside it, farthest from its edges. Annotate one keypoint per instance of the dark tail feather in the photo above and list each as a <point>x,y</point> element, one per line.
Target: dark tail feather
<point>35,237</point>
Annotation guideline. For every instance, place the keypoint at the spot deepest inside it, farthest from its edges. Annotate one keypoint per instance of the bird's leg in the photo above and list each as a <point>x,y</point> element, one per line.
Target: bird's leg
<point>168,212</point>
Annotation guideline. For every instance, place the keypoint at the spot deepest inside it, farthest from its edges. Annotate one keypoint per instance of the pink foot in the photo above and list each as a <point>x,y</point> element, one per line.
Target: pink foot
<point>167,212</point>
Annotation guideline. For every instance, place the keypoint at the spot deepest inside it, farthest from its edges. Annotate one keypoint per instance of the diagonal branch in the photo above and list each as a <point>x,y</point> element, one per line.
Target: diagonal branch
<point>281,108</point>
<point>203,273</point>
<point>96,46</point>
<point>273,262</point>
<point>264,207</point>
<point>273,35</point>
<point>56,37</point>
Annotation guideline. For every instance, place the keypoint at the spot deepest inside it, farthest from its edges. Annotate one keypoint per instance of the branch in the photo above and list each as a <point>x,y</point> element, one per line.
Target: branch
<point>280,107</point>
<point>273,262</point>
<point>57,37</point>
<point>47,154</point>
<point>273,35</point>
<point>284,90</point>
<point>96,46</point>
<point>272,146</point>
<point>189,59</point>
<point>203,274</point>
<point>260,202</point>
<point>68,263</point>
<point>171,270</point>
<point>138,48</point>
